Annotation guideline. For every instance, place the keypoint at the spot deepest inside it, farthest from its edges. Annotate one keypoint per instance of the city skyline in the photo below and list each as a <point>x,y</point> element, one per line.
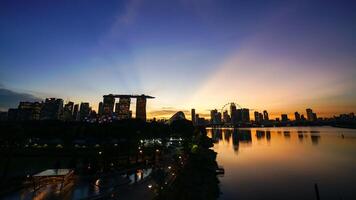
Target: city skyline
<point>112,109</point>
<point>277,56</point>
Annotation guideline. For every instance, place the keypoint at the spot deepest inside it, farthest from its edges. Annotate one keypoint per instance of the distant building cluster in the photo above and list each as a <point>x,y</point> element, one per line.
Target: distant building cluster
<point>55,109</point>
<point>241,117</point>
<point>234,117</point>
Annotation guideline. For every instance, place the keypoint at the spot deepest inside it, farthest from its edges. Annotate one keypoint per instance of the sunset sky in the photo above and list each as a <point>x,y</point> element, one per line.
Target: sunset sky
<point>281,56</point>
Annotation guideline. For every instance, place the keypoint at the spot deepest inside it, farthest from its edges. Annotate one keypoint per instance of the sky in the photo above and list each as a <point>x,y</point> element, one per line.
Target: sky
<point>281,56</point>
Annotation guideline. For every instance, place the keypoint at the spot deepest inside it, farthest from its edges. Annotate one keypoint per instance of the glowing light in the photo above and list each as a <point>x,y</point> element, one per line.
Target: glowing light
<point>149,186</point>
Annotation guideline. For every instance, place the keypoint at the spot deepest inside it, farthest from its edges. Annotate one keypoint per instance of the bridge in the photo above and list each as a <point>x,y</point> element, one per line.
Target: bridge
<point>122,109</point>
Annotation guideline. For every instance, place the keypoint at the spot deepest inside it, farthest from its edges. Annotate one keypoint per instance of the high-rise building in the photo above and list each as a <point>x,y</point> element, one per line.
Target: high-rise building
<point>257,117</point>
<point>297,116</point>
<point>226,117</point>
<point>141,107</point>
<point>52,109</point>
<point>215,117</point>
<point>245,115</point>
<point>233,114</point>
<point>302,117</point>
<point>212,115</point>
<point>100,109</point>
<point>265,115</point>
<point>193,116</point>
<point>123,108</point>
<point>284,117</point>
<point>76,112</point>
<point>260,116</point>
<point>68,111</point>
<point>314,116</point>
<point>108,104</point>
<point>218,118</point>
<point>29,111</point>
<point>310,116</point>
<point>84,111</point>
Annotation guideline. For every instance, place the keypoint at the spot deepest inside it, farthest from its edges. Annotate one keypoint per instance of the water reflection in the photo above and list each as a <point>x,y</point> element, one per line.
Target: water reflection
<point>283,163</point>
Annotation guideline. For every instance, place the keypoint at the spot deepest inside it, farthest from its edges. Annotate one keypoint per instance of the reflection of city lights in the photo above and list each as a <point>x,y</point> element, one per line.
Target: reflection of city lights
<point>150,186</point>
<point>180,157</point>
<point>157,150</point>
<point>100,152</point>
<point>169,167</point>
<point>140,151</point>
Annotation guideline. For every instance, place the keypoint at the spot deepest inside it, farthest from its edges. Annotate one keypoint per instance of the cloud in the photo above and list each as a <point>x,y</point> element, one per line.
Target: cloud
<point>10,99</point>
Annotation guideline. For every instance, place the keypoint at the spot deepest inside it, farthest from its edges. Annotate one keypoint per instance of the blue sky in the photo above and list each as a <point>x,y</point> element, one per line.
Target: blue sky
<point>281,56</point>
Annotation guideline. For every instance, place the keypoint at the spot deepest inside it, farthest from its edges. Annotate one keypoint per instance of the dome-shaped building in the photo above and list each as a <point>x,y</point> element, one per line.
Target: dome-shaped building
<point>178,116</point>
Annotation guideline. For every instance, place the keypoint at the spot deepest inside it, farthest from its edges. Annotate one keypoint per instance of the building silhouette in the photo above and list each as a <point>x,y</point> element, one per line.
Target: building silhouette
<point>52,109</point>
<point>265,115</point>
<point>28,111</point>
<point>215,117</point>
<point>233,114</point>
<point>123,108</point>
<point>257,117</point>
<point>100,109</point>
<point>108,104</point>
<point>193,116</point>
<point>245,115</point>
<point>141,100</point>
<point>226,117</point>
<point>84,111</point>
<point>284,117</point>
<point>297,116</point>
<point>141,108</point>
<point>311,116</point>
<point>68,111</point>
<point>76,112</point>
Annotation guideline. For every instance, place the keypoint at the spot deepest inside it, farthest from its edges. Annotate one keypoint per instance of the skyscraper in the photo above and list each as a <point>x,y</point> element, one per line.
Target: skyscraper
<point>141,108</point>
<point>284,117</point>
<point>84,111</point>
<point>260,116</point>
<point>212,115</point>
<point>100,108</point>
<point>68,111</point>
<point>265,115</point>
<point>29,111</point>
<point>193,116</point>
<point>108,104</point>
<point>257,117</point>
<point>52,109</point>
<point>297,116</point>
<point>226,117</point>
<point>233,114</point>
<point>215,117</point>
<point>310,115</point>
<point>245,115</point>
<point>123,109</point>
<point>76,112</point>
